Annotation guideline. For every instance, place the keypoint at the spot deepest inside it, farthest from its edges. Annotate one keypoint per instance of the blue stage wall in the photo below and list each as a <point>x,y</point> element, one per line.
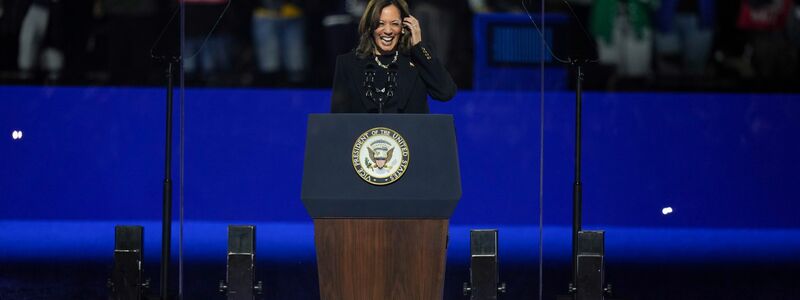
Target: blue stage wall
<point>720,160</point>
<point>724,162</point>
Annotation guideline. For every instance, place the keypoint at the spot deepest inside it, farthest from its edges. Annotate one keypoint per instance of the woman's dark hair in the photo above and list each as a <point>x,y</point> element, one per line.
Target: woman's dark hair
<point>369,22</point>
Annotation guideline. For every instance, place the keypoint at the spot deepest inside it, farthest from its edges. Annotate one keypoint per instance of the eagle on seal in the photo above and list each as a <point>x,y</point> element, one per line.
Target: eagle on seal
<point>380,156</point>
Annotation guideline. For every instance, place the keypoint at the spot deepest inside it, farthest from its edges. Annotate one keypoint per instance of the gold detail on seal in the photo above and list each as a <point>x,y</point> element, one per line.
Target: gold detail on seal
<point>380,156</point>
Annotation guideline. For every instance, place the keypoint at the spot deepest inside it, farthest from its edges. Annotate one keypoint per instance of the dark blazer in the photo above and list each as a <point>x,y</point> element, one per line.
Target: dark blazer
<point>419,74</point>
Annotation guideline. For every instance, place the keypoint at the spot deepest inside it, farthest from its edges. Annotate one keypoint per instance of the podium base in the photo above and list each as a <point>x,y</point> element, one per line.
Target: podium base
<point>381,258</point>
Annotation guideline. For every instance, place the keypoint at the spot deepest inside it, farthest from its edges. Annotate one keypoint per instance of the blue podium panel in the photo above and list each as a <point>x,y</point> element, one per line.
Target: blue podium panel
<point>429,188</point>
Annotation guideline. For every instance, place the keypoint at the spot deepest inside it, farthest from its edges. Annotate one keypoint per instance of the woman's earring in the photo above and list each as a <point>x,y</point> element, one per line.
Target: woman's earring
<point>403,31</point>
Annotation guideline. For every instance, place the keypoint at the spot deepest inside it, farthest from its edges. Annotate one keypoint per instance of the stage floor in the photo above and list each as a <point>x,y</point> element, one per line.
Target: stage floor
<point>73,259</point>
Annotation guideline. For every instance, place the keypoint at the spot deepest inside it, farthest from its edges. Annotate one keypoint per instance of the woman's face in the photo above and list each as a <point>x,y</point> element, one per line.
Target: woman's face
<point>387,33</point>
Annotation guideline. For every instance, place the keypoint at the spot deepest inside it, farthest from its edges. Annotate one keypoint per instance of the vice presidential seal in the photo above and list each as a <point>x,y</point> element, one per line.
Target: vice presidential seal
<point>380,156</point>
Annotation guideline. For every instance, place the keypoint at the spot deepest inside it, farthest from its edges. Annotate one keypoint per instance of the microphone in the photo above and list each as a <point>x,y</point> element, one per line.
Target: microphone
<point>391,81</point>
<point>369,87</point>
<point>369,81</point>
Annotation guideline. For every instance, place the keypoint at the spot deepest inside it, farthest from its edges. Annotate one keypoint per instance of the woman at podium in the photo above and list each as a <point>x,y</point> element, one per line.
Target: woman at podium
<point>391,70</point>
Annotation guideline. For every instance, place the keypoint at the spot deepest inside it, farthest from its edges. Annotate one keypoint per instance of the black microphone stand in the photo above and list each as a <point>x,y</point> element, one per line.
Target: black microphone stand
<point>380,103</point>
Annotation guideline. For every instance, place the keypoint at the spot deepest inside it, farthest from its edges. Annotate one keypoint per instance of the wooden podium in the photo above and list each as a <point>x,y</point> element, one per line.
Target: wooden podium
<point>381,241</point>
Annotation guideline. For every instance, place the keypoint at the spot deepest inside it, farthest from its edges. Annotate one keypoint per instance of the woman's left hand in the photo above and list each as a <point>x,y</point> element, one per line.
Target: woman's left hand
<point>412,24</point>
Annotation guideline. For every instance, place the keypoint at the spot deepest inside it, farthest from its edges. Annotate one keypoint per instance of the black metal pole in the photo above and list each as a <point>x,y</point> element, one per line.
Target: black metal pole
<point>576,187</point>
<point>166,222</point>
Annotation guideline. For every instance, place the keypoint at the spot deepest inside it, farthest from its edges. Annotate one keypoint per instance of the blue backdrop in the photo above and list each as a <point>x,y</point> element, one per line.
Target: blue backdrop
<point>725,163</point>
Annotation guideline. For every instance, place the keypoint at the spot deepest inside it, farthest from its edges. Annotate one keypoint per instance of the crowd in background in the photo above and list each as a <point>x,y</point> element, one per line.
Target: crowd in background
<point>292,43</point>
<point>698,43</point>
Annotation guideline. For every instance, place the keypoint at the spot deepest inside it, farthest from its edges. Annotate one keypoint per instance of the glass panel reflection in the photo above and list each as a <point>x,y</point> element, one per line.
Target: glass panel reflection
<point>83,122</point>
<point>670,166</point>
<point>689,113</point>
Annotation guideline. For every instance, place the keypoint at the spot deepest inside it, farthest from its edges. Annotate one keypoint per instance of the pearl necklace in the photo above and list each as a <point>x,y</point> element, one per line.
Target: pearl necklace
<point>394,60</point>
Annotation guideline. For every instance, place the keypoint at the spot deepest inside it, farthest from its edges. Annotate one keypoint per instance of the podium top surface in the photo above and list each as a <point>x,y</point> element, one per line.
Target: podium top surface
<point>429,188</point>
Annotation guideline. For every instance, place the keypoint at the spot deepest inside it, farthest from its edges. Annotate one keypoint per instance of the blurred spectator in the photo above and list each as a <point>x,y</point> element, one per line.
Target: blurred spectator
<point>683,36</point>
<point>460,43</point>
<point>78,31</point>
<point>279,39</point>
<point>339,29</point>
<point>341,26</point>
<point>131,33</point>
<point>624,35</point>
<point>765,23</point>
<point>793,24</point>
<point>487,6</point>
<point>205,53</point>
<point>39,42</point>
<point>436,17</point>
<point>478,6</point>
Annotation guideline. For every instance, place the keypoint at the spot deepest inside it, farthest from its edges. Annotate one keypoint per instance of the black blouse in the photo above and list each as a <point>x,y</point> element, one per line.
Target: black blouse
<point>418,75</point>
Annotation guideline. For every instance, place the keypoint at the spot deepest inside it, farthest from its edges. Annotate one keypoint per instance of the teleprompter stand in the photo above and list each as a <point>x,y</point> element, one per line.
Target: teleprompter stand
<point>588,247</point>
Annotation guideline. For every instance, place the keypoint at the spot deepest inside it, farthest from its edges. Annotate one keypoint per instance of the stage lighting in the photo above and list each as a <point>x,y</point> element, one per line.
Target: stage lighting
<point>16,135</point>
<point>126,278</point>
<point>666,210</point>
<point>591,266</point>
<point>484,272</point>
<point>239,283</point>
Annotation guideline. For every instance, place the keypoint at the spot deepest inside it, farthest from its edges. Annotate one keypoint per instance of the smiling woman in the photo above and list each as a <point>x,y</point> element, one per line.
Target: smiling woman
<point>388,30</point>
<point>392,70</point>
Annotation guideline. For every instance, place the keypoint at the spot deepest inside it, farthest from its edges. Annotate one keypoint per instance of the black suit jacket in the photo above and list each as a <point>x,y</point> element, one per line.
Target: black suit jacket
<point>419,74</point>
